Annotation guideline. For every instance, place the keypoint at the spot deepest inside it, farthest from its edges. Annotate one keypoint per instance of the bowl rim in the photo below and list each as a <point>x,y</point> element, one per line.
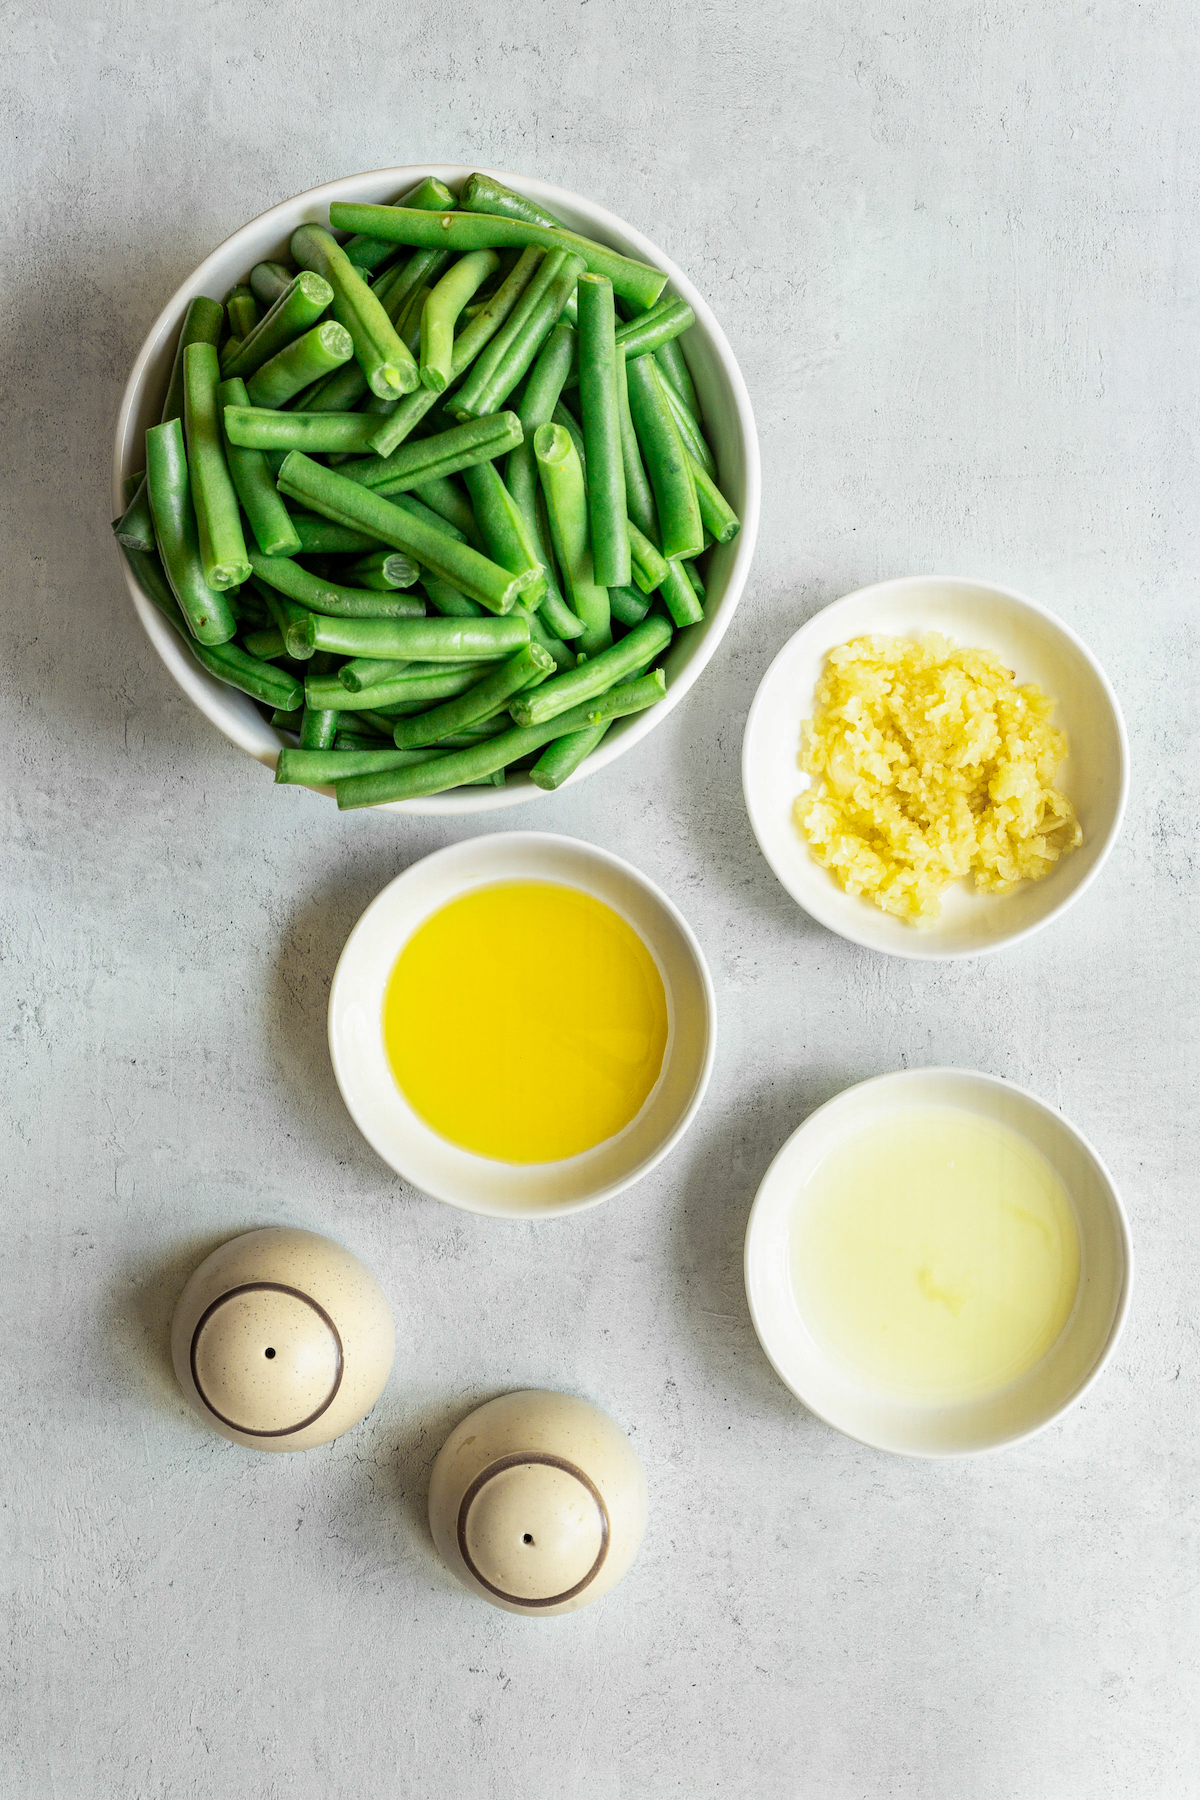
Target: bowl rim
<point>556,1209</point>
<point>828,916</point>
<point>467,801</point>
<point>1120,1311</point>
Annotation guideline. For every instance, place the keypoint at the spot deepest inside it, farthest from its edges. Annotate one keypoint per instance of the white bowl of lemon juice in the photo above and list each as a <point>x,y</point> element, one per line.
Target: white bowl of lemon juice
<point>522,1025</point>
<point>937,1263</point>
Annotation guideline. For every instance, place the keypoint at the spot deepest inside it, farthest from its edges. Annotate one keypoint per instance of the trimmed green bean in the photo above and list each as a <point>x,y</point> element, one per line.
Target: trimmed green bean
<point>408,329</point>
<point>524,670</point>
<point>561,475</point>
<point>670,359</point>
<point>483,194</point>
<point>318,729</point>
<point>409,412</point>
<point>541,394</point>
<point>329,597</point>
<point>649,331</point>
<point>387,363</point>
<point>325,348</point>
<point>425,459</point>
<point>370,254</point>
<point>261,680</point>
<point>131,485</point>
<point>415,688</point>
<point>639,495</point>
<point>680,530</point>
<point>679,596</point>
<point>266,645</point>
<point>340,392</point>
<point>464,766</point>
<point>628,606</point>
<point>269,518</point>
<point>560,759</point>
<point>441,311</point>
<point>598,393</point>
<point>283,720</point>
<point>419,640</point>
<point>134,530</point>
<point>715,511</point>
<point>288,614</point>
<point>692,437</point>
<point>694,576</point>
<point>563,416</point>
<point>202,324</point>
<point>207,612</point>
<point>447,600</point>
<point>367,671</point>
<point>262,428</point>
<point>297,309</point>
<point>634,281</point>
<point>151,577</point>
<point>649,568</point>
<point>384,569</point>
<point>321,537</point>
<point>270,279</point>
<point>218,521</point>
<point>596,675</point>
<point>356,740</point>
<point>506,535</point>
<point>499,368</point>
<point>328,491</point>
<point>241,309</point>
<point>446,501</point>
<point>318,768</point>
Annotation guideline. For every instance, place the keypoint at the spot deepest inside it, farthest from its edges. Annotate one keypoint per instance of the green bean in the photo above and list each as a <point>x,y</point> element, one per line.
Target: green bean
<point>297,309</point>
<point>649,331</point>
<point>561,475</point>
<point>357,740</point>
<point>207,612</point>
<point>416,464</point>
<point>222,544</point>
<point>506,535</point>
<point>131,484</point>
<point>241,310</point>
<point>628,606</point>
<point>649,568</point>
<point>324,348</point>
<point>367,671</point>
<point>598,393</point>
<point>499,368</point>
<point>679,596</point>
<point>202,324</point>
<point>694,576</point>
<point>269,518</point>
<point>689,431</point>
<point>423,269</point>
<point>261,680</point>
<point>151,577</point>
<point>288,614</point>
<point>384,569</point>
<point>317,768</point>
<point>483,194</point>
<point>669,357</point>
<point>639,495</point>
<point>262,428</point>
<point>464,766</point>
<point>386,362</point>
<point>447,600</point>
<point>329,492</point>
<point>445,500</point>
<point>266,645</point>
<point>339,392</point>
<point>634,281</point>
<point>680,529</point>
<point>715,511</point>
<point>430,195</point>
<point>541,394</point>
<point>419,640</point>
<point>317,730</point>
<point>329,597</point>
<point>595,676</point>
<point>321,537</point>
<point>563,416</point>
<point>270,279</point>
<point>134,530</point>
<point>560,759</point>
<point>441,311</point>
<point>408,329</point>
<point>380,723</point>
<point>285,720</point>
<point>528,667</point>
<point>412,690</point>
<point>541,633</point>
<point>412,409</point>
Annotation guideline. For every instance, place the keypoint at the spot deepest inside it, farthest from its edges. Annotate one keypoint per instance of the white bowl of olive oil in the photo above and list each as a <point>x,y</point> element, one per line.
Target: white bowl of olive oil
<point>937,1263</point>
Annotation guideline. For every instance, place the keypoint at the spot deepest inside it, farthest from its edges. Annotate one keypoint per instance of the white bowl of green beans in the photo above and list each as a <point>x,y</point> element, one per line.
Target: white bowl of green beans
<point>271,437</point>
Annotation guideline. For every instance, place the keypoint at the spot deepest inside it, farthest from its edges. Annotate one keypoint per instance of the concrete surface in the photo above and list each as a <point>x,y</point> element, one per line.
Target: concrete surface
<point>956,249</point>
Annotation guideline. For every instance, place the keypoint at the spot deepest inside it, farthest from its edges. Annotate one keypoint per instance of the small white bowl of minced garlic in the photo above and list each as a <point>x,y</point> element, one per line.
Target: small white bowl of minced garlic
<point>935,767</point>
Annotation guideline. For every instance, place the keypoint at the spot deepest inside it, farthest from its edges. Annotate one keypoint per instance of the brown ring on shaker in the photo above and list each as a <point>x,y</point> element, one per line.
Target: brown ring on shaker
<point>517,1460</point>
<point>268,1287</point>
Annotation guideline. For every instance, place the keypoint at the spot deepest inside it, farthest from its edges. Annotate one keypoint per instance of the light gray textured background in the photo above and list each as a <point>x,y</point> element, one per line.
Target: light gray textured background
<point>956,248</point>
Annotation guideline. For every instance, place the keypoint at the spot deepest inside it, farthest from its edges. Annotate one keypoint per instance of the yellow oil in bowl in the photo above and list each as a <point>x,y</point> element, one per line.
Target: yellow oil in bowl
<point>935,1255</point>
<point>525,1021</point>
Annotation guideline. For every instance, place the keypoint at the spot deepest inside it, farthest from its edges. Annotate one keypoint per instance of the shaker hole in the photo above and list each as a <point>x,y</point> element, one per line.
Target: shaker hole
<point>528,1538</point>
<point>268,1354</point>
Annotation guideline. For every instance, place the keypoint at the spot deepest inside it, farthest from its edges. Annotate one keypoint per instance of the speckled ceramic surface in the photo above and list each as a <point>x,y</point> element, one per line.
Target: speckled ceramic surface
<point>282,1340</point>
<point>537,1502</point>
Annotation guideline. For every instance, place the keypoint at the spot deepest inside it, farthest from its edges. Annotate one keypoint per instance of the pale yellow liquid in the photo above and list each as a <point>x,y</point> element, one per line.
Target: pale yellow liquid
<point>935,1255</point>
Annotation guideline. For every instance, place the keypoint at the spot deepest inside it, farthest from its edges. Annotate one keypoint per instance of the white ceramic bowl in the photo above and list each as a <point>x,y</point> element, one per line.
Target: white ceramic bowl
<point>431,1162</point>
<point>722,392</point>
<point>1017,1411</point>
<point>1039,648</point>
